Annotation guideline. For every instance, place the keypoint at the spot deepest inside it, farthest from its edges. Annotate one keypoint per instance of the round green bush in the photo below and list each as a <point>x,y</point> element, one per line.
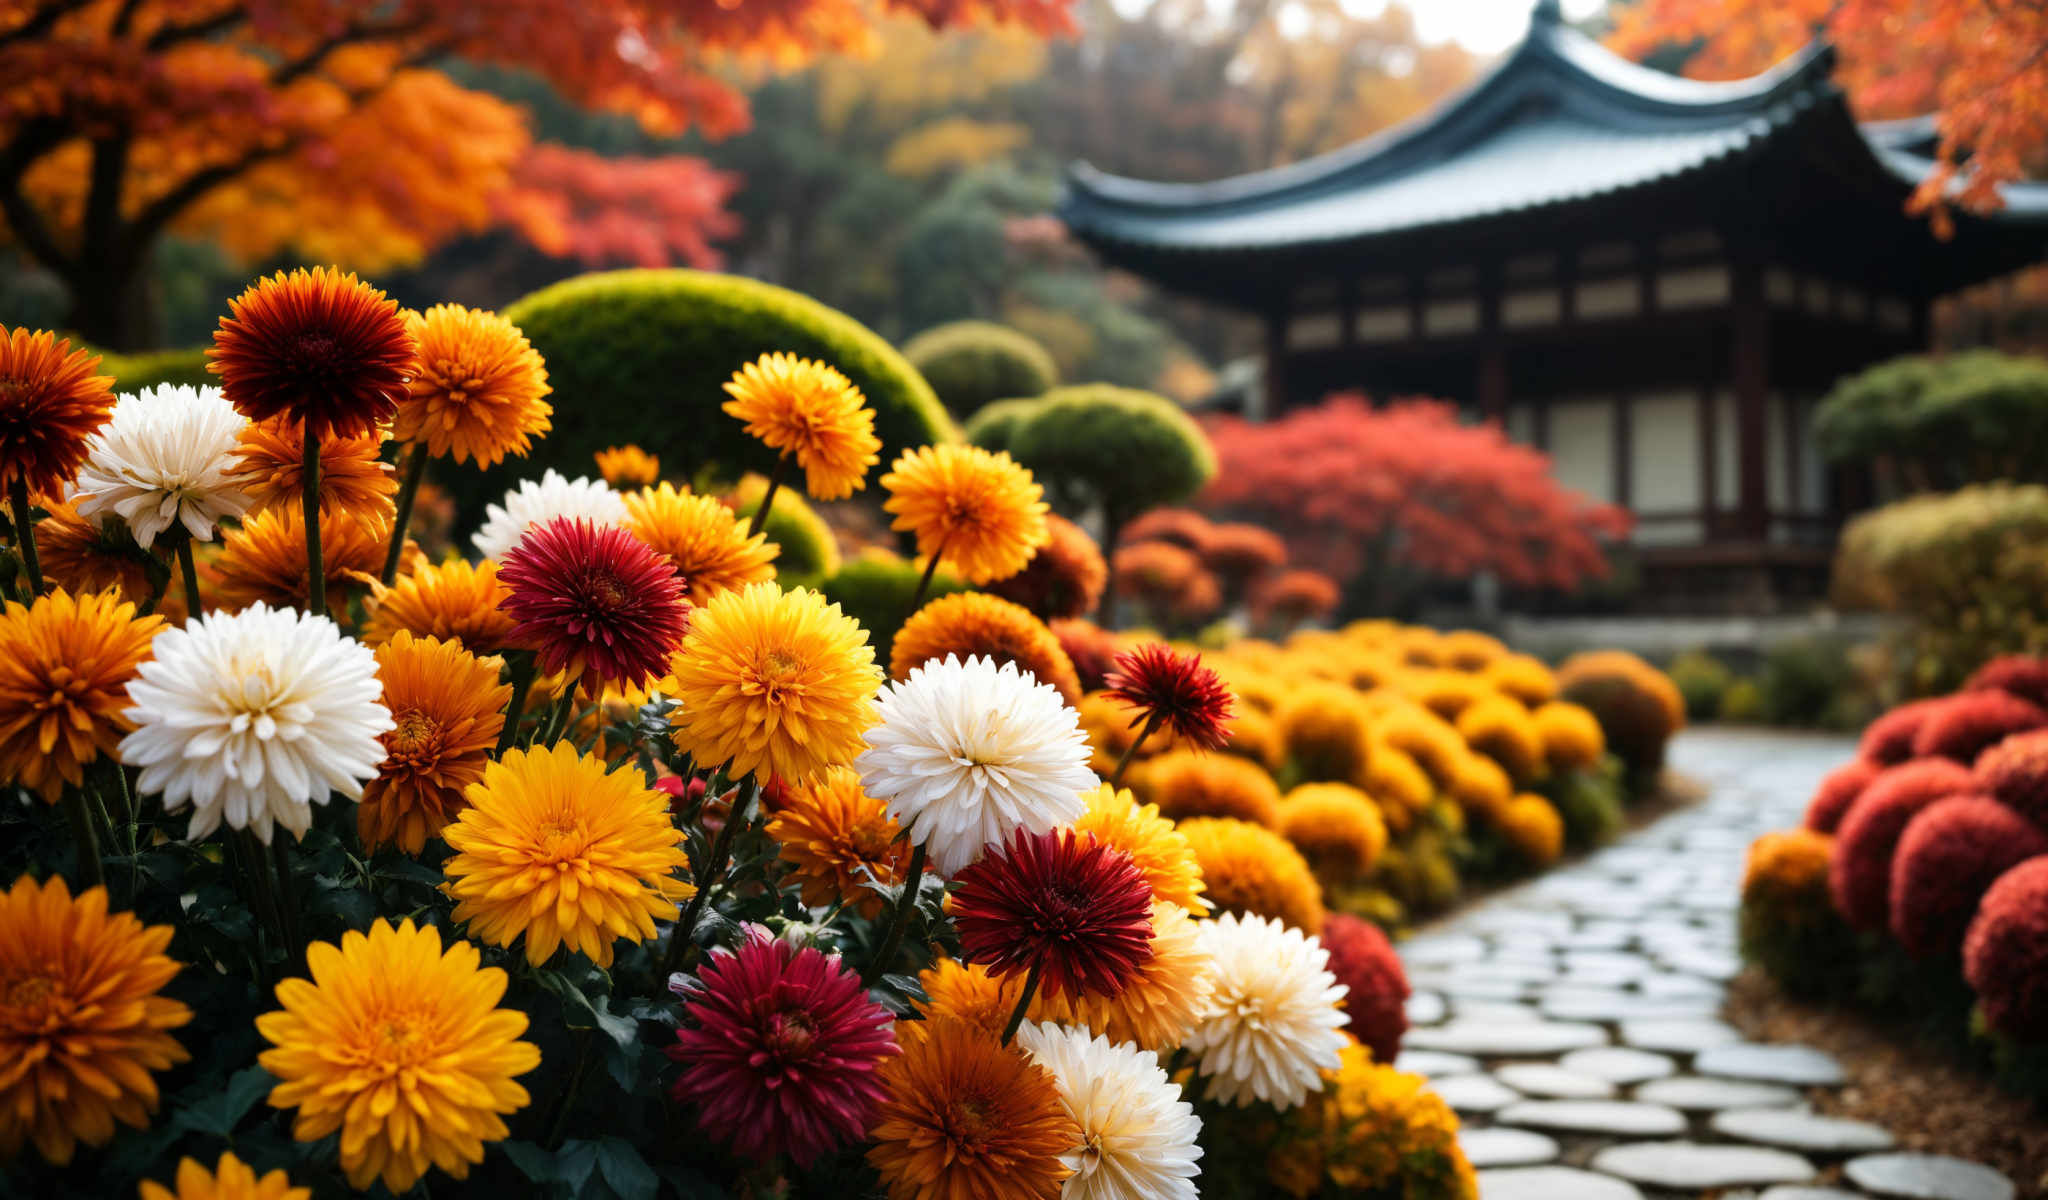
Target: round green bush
<point>806,550</point>
<point>973,363</point>
<point>133,372</point>
<point>1701,678</point>
<point>876,589</point>
<point>1742,702</point>
<point>1591,800</point>
<point>1121,448</point>
<point>995,424</point>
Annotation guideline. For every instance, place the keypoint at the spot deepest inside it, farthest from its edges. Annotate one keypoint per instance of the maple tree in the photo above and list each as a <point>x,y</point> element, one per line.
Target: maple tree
<point>324,127</point>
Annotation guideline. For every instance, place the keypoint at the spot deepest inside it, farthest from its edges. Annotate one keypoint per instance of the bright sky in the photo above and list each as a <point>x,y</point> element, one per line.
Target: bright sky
<point>1482,26</point>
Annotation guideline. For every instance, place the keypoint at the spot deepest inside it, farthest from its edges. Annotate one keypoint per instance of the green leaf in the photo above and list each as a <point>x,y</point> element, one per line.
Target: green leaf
<point>537,1163</point>
<point>624,1169</point>
<point>356,907</point>
<point>220,1113</point>
<point>575,1164</point>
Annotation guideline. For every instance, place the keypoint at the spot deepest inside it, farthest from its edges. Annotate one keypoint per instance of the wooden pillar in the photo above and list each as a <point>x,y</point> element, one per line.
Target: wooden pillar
<point>1272,400</point>
<point>1709,441</point>
<point>1624,452</point>
<point>1749,371</point>
<point>1491,388</point>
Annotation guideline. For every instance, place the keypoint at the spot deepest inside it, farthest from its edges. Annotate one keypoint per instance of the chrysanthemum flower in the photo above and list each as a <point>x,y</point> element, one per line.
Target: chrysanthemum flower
<point>1064,579</point>
<point>50,405</point>
<point>1060,903</point>
<point>1372,1129</point>
<point>254,717</point>
<point>965,1118</point>
<point>164,458</point>
<point>1290,597</point>
<point>448,708</point>
<point>1534,827</point>
<point>1275,1022</point>
<point>554,849</point>
<point>65,665</point>
<point>1160,1001</point>
<point>1138,1137</point>
<point>1860,873</point>
<point>1969,722</point>
<point>1888,741</point>
<point>701,538</point>
<point>401,1046</point>
<point>536,502</point>
<point>1175,691</point>
<point>971,994</point>
<point>1248,868</point>
<point>264,562</point>
<point>1571,735</point>
<point>1328,732</point>
<point>2015,771</point>
<point>456,600</point>
<point>320,345</point>
<point>1337,828</point>
<point>81,554</point>
<point>810,411</point>
<point>967,624</point>
<point>1949,856</point>
<point>594,599</point>
<point>2005,954</point>
<point>477,392</point>
<point>355,481</point>
<point>628,466</point>
<point>1375,983</point>
<point>82,1028</point>
<point>1186,784</point>
<point>774,683</point>
<point>981,513</point>
<point>830,830</point>
<point>1091,648</point>
<point>969,753</point>
<point>1162,855</point>
<point>232,1179</point>
<point>781,1050</point>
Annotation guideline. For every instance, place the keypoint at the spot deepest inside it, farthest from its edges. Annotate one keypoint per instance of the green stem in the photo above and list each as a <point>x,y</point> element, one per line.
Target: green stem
<point>287,904</point>
<point>1024,1001</point>
<point>924,581</point>
<point>558,717</point>
<point>768,497</point>
<point>408,490</point>
<point>255,866</point>
<point>898,921</point>
<point>90,874</point>
<point>679,939</point>
<point>559,1125</point>
<point>1116,777</point>
<point>523,666</point>
<point>316,571</point>
<point>25,535</point>
<point>189,571</point>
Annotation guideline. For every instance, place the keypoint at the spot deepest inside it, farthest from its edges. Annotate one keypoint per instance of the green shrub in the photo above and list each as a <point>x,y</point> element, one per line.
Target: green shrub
<point>807,551</point>
<point>133,372</point>
<point>1701,678</point>
<point>1801,682</point>
<point>1122,449</point>
<point>1940,421</point>
<point>1742,703</point>
<point>997,423</point>
<point>876,589</point>
<point>973,363</point>
<point>1590,799</point>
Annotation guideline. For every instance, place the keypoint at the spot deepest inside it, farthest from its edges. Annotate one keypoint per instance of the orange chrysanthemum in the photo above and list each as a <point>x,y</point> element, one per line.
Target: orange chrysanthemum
<point>1163,856</point>
<point>810,411</point>
<point>231,1179</point>
<point>628,466</point>
<point>455,599</point>
<point>981,513</point>
<point>1336,827</point>
<point>82,1027</point>
<point>86,554</point>
<point>50,403</point>
<point>448,708</point>
<point>1184,783</point>
<point>321,346</point>
<point>830,830</point>
<point>701,538</point>
<point>265,560</point>
<point>478,391</point>
<point>1248,868</point>
<point>968,1119</point>
<point>966,624</point>
<point>353,479</point>
<point>967,993</point>
<point>65,663</point>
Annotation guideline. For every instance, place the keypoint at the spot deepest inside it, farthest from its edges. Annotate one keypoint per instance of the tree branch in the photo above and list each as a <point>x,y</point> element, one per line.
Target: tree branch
<point>171,35</point>
<point>30,230</point>
<point>40,21</point>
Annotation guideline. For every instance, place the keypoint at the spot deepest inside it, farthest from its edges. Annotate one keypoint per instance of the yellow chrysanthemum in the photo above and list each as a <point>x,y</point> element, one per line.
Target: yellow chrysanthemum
<point>1789,861</point>
<point>967,993</point>
<point>981,513</point>
<point>402,1047</point>
<point>810,411</point>
<point>231,1179</point>
<point>82,1029</point>
<point>1532,826</point>
<point>1336,827</point>
<point>1445,692</point>
<point>1470,650</point>
<point>1522,676</point>
<point>967,624</point>
<point>1425,737</point>
<point>265,560</point>
<point>1324,727</point>
<point>452,600</point>
<point>1418,646</point>
<point>774,683</point>
<point>701,538</point>
<point>1255,736</point>
<point>448,707</point>
<point>553,849</point>
<point>1160,1002</point>
<point>354,481</point>
<point>1370,1129</point>
<point>1399,784</point>
<point>1481,788</point>
<point>968,1119</point>
<point>1248,868</point>
<point>1162,855</point>
<point>1502,730</point>
<point>1571,735</point>
<point>830,829</point>
<point>628,466</point>
<point>479,389</point>
<point>1185,784</point>
<point>65,663</point>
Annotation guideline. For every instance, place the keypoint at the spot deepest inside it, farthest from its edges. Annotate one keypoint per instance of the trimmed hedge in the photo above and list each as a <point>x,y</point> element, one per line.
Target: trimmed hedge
<point>973,363</point>
<point>876,590</point>
<point>806,551</point>
<point>133,372</point>
<point>1124,449</point>
<point>995,424</point>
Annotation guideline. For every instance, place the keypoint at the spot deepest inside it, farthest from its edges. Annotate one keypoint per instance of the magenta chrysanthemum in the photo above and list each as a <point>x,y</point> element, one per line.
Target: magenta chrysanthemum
<point>780,1053</point>
<point>1079,910</point>
<point>1363,960</point>
<point>594,598</point>
<point>1174,691</point>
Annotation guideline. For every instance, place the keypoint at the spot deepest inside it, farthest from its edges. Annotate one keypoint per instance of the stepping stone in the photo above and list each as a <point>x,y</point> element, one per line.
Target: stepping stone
<point>1464,1009</point>
<point>1506,1147</point>
<point>1798,1130</point>
<point>1615,1118</point>
<point>1668,986</point>
<point>1434,1064</point>
<point>1474,1093</point>
<point>1508,1039</point>
<point>1927,1177</point>
<point>1706,964</point>
<point>1618,1064</point>
<point>1696,1094</point>
<point>1479,989</point>
<point>1610,1004</point>
<point>1553,1183</point>
<point>1678,1037</point>
<point>1426,1008</point>
<point>1691,1167</point>
<point>1795,1192</point>
<point>1548,1080</point>
<point>1442,949</point>
<point>1796,1065</point>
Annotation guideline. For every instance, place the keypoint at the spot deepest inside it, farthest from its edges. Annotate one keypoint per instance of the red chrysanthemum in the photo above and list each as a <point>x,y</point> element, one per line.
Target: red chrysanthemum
<point>2021,674</point>
<point>1078,910</point>
<point>1967,722</point>
<point>780,1053</point>
<point>1837,791</point>
<point>2016,772</point>
<point>1364,961</point>
<point>1064,579</point>
<point>1949,855</point>
<point>1293,596</point>
<point>2005,955</point>
<point>320,345</point>
<point>1173,691</point>
<point>51,401</point>
<point>594,598</point>
<point>1888,741</point>
<point>1092,648</point>
<point>1860,874</point>
<point>1183,527</point>
<point>1241,553</point>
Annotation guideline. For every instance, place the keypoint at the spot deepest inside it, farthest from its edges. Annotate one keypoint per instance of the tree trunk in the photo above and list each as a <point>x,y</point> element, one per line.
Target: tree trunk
<point>1112,528</point>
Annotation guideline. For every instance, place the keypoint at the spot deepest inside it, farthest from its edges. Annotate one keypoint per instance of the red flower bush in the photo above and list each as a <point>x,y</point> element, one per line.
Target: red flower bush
<point>1888,741</point>
<point>1239,553</point>
<point>1967,722</point>
<point>1949,855</point>
<point>2022,675</point>
<point>1181,527</point>
<point>1364,961</point>
<point>2016,772</point>
<point>2005,955</point>
<point>1831,800</point>
<point>1860,874</point>
<point>1291,597</point>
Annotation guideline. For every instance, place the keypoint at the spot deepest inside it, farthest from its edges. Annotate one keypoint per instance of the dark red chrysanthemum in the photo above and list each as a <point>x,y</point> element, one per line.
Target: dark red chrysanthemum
<point>1888,741</point>
<point>1860,873</point>
<point>1080,909</point>
<point>2023,675</point>
<point>594,598</point>
<point>1967,722</point>
<point>1364,961</point>
<point>2005,954</point>
<point>321,346</point>
<point>1174,691</point>
<point>1092,649</point>
<point>1831,800</point>
<point>52,400</point>
<point>780,1053</point>
<point>1954,850</point>
<point>2016,772</point>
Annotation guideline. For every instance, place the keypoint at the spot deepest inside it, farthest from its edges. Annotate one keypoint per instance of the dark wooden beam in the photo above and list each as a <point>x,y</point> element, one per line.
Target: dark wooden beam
<point>1491,390</point>
<point>1750,373</point>
<point>1275,381</point>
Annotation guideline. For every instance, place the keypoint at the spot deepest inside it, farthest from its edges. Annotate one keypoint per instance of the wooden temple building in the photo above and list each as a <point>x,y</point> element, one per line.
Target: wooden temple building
<point>1652,278</point>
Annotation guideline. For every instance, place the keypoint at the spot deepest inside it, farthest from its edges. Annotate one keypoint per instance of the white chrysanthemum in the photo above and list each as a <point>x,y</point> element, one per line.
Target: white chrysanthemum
<point>164,456</point>
<point>968,753</point>
<point>1273,1023</point>
<point>254,717</point>
<point>1138,1137</point>
<point>534,502</point>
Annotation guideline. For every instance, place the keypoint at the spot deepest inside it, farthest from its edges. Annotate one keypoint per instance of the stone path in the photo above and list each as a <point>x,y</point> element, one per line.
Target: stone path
<point>1572,1021</point>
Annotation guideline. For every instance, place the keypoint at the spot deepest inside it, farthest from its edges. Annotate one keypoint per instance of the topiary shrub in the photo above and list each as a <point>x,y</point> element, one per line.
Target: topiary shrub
<point>1968,722</point>
<point>807,551</point>
<point>134,372</point>
<point>1837,791</point>
<point>1742,703</point>
<point>995,424</point>
<point>876,589</point>
<point>1803,683</point>
<point>1860,875</point>
<point>972,363</point>
<point>1364,961</point>
<point>1787,924</point>
<point>1701,679</point>
<point>2005,954</point>
<point>1948,857</point>
<point>1633,710</point>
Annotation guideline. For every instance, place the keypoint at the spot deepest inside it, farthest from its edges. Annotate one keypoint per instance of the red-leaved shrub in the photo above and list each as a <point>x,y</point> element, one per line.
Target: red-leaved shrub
<point>2023,675</point>
<point>1831,800</point>
<point>1967,722</point>
<point>1888,740</point>
<point>1954,850</point>
<point>2005,955</point>
<point>2016,772</point>
<point>1860,874</point>
<point>1363,960</point>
